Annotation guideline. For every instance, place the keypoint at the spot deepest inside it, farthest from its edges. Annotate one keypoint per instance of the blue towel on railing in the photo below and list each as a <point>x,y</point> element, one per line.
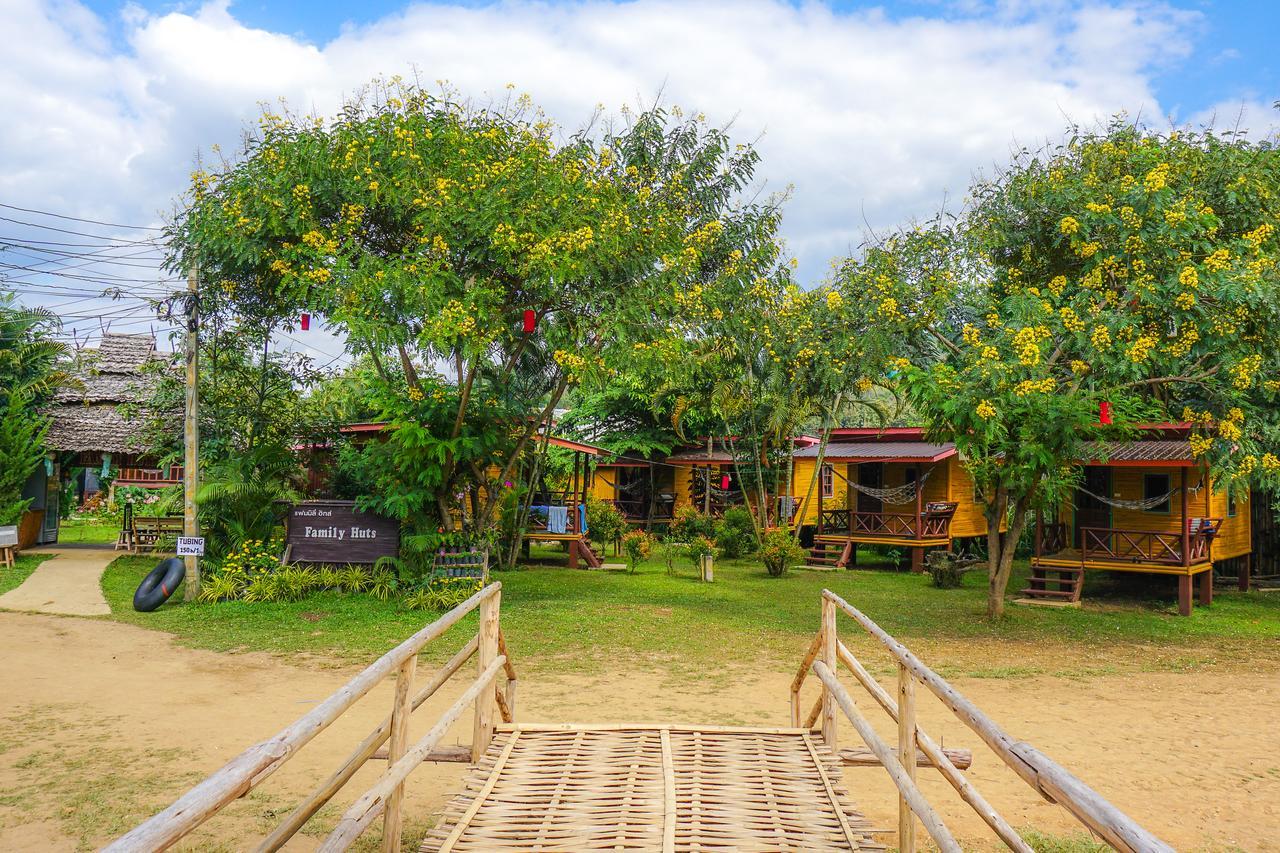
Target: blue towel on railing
<point>557,519</point>
<point>582,517</point>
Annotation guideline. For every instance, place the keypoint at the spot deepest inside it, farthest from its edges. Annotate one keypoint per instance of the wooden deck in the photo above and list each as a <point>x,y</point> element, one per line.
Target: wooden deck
<point>651,787</point>
<point>1071,559</point>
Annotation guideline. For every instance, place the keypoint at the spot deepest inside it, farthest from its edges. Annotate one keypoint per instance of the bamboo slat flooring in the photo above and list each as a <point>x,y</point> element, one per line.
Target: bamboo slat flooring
<point>658,788</point>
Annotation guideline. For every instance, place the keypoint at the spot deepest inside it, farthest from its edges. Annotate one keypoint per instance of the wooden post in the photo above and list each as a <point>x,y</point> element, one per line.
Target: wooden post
<point>392,822</point>
<point>906,748</point>
<point>820,502</point>
<point>1184,595</point>
<point>828,656</point>
<point>917,560</point>
<point>1245,565</point>
<point>1186,523</point>
<point>919,509</point>
<point>486,654</point>
<point>1206,587</point>
<point>191,432</point>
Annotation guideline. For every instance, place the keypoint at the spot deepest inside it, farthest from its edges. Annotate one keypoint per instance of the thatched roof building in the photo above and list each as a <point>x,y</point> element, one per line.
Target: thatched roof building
<point>90,415</point>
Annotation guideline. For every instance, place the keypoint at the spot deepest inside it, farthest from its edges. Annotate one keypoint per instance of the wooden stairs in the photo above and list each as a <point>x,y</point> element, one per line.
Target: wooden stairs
<point>1054,585</point>
<point>830,553</point>
<point>582,548</point>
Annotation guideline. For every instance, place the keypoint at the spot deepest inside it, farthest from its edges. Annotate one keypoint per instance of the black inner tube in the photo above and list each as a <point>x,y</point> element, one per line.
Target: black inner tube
<point>159,584</point>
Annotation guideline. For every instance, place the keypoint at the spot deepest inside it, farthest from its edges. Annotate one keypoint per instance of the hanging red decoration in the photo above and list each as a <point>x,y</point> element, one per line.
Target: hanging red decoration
<point>306,321</point>
<point>724,482</point>
<point>530,320</point>
<point>1104,413</point>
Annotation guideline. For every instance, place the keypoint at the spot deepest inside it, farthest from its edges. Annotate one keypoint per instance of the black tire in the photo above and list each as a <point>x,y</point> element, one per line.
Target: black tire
<point>157,586</point>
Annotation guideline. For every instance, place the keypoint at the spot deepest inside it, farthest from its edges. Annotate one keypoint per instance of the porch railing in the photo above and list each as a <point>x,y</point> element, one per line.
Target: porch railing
<point>1190,546</point>
<point>134,476</point>
<point>933,522</point>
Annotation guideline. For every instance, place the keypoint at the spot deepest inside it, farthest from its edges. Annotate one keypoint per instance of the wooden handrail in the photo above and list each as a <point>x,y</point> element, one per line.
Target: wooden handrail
<point>366,809</point>
<point>910,792</point>
<point>250,768</point>
<point>1046,776</point>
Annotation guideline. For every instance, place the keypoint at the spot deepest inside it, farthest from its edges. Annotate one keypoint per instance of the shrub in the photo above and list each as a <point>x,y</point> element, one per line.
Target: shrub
<point>637,545</point>
<point>699,547</point>
<point>735,534</point>
<point>442,593</point>
<point>690,523</point>
<point>780,552</point>
<point>605,523</point>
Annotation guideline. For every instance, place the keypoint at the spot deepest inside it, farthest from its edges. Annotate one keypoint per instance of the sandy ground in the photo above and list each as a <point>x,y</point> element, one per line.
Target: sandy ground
<point>104,723</point>
<point>68,584</point>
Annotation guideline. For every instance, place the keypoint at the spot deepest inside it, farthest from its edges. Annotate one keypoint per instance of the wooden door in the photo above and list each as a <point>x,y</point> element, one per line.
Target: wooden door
<point>870,474</point>
<point>1091,512</point>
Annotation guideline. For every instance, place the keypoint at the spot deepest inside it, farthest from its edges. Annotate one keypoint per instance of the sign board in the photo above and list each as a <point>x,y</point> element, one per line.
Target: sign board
<point>336,532</point>
<point>190,546</point>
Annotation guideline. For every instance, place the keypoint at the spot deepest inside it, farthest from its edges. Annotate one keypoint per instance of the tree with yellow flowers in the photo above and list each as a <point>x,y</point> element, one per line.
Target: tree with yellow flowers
<point>1124,266</point>
<point>432,233</point>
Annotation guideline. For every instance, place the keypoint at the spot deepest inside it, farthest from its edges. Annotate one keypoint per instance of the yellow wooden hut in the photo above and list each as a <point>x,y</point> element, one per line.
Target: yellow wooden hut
<point>884,487</point>
<point>1142,506</point>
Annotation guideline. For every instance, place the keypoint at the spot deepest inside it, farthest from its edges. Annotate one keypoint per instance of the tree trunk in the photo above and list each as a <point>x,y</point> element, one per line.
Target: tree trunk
<point>1002,547</point>
<point>817,466</point>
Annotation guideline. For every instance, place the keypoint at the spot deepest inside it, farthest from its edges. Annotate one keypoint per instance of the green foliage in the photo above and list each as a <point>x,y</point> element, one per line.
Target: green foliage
<point>604,522</point>
<point>691,523</point>
<point>779,552</point>
<point>637,545</point>
<point>735,535</point>
<point>28,377</point>
<point>698,547</point>
<point>240,498</point>
<point>442,593</point>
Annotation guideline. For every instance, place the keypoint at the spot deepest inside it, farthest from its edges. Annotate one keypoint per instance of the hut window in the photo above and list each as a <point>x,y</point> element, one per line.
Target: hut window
<point>1153,486</point>
<point>828,482</point>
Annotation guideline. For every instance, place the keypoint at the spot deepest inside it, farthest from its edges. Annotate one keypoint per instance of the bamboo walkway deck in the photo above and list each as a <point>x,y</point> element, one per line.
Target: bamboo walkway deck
<point>667,788</point>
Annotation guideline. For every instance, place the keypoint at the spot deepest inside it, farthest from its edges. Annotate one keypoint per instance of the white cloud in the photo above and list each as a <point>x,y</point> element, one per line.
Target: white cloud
<point>864,114</point>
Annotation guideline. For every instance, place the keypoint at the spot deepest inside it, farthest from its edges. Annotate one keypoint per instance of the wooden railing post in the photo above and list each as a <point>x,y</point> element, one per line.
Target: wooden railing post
<point>828,656</point>
<point>906,754</point>
<point>486,654</point>
<point>397,743</point>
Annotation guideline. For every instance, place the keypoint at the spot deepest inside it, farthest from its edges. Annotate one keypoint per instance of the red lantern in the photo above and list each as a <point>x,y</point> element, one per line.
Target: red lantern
<point>724,482</point>
<point>306,321</point>
<point>1104,413</point>
<point>530,320</point>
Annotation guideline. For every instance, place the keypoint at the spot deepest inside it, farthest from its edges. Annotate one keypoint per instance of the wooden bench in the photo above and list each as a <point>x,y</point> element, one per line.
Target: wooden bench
<point>147,533</point>
<point>8,544</point>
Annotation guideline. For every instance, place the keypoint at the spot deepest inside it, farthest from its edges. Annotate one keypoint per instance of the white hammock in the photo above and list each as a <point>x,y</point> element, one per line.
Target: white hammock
<point>1142,505</point>
<point>894,495</point>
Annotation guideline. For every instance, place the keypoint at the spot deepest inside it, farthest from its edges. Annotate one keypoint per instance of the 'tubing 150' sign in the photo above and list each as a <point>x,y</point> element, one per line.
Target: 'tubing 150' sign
<point>337,532</point>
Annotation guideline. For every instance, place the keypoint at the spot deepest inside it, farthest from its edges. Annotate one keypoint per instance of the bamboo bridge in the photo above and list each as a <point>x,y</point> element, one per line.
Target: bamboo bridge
<point>644,787</point>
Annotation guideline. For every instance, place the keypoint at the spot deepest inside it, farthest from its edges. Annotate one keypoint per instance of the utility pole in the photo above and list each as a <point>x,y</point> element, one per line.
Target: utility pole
<point>191,431</point>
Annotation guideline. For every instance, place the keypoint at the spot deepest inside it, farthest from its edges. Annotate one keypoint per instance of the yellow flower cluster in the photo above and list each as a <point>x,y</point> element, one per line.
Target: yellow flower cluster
<point>1069,225</point>
<point>1070,321</point>
<point>1218,261</point>
<point>1157,179</point>
<point>1130,218</point>
<point>1034,386</point>
<point>985,410</point>
<point>863,385</point>
<point>1057,284</point>
<point>1200,444</point>
<point>1088,250</point>
<point>889,308</point>
<point>1185,301</point>
<point>1242,374</point>
<point>1247,464</point>
<point>834,300</point>
<point>1094,207</point>
<point>1100,337</point>
<point>1189,277</point>
<point>1270,462</point>
<point>990,353</point>
<point>1141,348</point>
<point>1079,367</point>
<point>1185,342</point>
<point>1230,430</point>
<point>970,335</point>
<point>415,394</point>
<point>1259,235</point>
<point>1175,217</point>
<point>1027,342</point>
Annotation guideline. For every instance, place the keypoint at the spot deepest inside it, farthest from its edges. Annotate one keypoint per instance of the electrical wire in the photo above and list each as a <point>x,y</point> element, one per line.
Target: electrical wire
<point>78,219</point>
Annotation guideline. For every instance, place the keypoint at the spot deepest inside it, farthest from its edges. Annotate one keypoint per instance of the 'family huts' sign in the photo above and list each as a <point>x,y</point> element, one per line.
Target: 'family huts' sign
<point>337,532</point>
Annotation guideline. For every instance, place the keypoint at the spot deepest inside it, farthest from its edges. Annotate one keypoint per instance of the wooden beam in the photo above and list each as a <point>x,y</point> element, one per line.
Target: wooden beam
<point>906,746</point>
<point>863,757</point>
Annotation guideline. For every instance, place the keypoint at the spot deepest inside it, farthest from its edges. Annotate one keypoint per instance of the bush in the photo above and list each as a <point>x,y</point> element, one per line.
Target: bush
<point>780,552</point>
<point>690,523</point>
<point>699,547</point>
<point>947,569</point>
<point>637,545</point>
<point>442,593</point>
<point>605,523</point>
<point>735,534</point>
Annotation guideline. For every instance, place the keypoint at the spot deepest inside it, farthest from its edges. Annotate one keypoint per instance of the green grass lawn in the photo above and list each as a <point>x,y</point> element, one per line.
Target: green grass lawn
<point>23,566</point>
<point>590,621</point>
<point>74,531</point>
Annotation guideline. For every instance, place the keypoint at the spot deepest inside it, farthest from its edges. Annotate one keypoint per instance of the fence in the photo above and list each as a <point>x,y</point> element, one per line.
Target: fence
<point>1041,773</point>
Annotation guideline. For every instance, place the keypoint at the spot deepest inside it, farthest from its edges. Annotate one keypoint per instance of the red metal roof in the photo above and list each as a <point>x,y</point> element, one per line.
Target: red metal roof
<point>879,433</point>
<point>880,451</point>
<point>1160,452</point>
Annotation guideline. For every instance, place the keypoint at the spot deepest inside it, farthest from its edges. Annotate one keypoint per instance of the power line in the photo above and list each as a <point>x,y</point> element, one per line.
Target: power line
<point>77,219</point>
<point>76,233</point>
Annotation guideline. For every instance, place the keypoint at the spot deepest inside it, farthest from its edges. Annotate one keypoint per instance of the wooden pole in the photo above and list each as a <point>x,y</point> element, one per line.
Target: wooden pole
<point>829,640</point>
<point>906,747</point>
<point>392,823</point>
<point>486,654</point>
<point>706,495</point>
<point>1186,523</point>
<point>191,432</point>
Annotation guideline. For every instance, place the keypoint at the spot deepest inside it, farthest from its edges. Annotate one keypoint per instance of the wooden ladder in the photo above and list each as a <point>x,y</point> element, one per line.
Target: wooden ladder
<point>836,554</point>
<point>1054,583</point>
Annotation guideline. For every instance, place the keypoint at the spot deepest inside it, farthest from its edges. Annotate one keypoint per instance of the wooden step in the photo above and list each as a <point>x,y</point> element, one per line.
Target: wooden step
<point>1049,593</point>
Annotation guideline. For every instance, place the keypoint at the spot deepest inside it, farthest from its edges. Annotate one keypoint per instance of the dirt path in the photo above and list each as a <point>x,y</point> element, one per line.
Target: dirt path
<point>104,723</point>
<point>68,584</point>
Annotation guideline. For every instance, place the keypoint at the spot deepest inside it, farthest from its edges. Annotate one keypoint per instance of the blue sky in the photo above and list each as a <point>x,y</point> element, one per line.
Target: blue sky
<point>1233,55</point>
